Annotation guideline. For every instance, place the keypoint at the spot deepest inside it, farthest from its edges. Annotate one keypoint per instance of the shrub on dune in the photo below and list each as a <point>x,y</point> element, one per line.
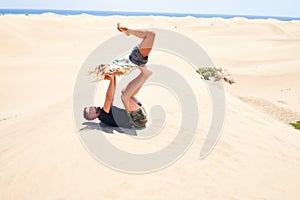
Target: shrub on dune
<point>216,74</point>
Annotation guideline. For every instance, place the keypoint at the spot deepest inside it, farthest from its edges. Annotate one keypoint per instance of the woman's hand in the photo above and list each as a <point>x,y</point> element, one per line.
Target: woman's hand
<point>118,72</point>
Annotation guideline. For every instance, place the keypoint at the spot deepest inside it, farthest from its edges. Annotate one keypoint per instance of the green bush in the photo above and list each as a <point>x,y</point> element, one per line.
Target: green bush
<point>210,72</point>
<point>216,74</point>
<point>296,125</point>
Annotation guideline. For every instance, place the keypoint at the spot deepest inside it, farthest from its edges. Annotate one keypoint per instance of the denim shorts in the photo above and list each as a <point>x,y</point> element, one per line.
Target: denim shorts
<point>137,58</point>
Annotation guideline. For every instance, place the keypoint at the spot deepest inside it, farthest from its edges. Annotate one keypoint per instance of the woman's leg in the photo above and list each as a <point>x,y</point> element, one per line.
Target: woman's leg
<point>147,36</point>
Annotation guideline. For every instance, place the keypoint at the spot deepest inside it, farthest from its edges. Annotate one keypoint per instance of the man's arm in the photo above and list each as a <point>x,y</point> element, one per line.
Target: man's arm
<point>110,93</point>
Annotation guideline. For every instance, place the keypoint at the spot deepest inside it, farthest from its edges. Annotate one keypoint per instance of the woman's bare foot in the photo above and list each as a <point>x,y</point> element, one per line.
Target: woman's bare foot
<point>122,29</point>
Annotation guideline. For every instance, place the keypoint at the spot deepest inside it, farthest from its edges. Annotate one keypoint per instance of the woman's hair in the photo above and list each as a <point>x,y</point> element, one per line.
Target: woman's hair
<point>99,72</point>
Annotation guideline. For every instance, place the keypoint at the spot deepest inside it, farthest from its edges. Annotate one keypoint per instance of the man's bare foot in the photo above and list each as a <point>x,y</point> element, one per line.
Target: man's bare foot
<point>122,29</point>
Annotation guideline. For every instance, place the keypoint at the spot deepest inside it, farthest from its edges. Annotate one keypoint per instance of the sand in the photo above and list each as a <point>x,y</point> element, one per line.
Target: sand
<point>257,156</point>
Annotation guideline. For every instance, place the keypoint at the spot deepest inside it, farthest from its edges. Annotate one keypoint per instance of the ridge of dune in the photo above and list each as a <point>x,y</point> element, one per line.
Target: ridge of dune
<point>279,113</point>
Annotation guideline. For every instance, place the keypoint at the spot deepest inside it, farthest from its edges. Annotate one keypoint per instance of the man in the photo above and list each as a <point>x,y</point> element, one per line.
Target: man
<point>134,115</point>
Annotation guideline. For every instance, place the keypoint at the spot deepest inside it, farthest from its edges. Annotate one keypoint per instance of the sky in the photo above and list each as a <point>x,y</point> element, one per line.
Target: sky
<point>284,8</point>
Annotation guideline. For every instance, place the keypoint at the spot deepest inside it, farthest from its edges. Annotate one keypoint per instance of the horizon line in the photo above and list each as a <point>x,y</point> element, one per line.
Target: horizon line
<point>150,12</point>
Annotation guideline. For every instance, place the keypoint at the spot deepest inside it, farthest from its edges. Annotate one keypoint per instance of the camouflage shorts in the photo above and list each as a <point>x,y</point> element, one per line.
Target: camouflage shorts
<point>138,117</point>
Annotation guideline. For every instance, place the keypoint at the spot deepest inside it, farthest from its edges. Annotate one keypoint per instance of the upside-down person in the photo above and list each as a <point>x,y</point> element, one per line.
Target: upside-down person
<point>134,114</point>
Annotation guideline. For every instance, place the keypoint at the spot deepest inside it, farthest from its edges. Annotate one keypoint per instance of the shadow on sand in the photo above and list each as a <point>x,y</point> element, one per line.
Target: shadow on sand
<point>109,129</point>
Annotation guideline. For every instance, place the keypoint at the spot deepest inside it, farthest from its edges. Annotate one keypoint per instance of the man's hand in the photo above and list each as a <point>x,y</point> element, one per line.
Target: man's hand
<point>111,75</point>
<point>118,72</point>
<point>108,76</point>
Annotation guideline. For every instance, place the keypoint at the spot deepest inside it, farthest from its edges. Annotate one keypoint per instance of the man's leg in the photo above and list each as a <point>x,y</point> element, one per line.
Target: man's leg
<point>133,95</point>
<point>147,36</point>
<point>132,88</point>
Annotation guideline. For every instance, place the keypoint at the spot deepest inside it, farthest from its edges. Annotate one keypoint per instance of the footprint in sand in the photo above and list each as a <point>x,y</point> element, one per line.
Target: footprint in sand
<point>7,118</point>
<point>285,89</point>
<point>281,102</point>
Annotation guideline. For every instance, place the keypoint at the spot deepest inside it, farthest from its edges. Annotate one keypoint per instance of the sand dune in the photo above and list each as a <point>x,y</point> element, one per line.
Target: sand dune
<point>257,156</point>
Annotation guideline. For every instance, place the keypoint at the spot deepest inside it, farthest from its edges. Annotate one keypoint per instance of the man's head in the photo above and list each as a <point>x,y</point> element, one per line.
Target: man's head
<point>91,113</point>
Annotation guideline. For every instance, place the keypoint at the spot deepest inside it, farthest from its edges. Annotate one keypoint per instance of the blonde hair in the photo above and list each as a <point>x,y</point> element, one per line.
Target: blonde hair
<point>99,72</point>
